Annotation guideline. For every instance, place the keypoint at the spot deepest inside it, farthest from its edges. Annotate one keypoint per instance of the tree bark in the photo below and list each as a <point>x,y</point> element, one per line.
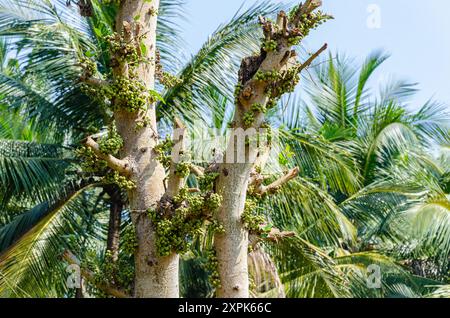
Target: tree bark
<point>232,246</point>
<point>154,276</point>
<point>115,220</point>
<point>277,69</point>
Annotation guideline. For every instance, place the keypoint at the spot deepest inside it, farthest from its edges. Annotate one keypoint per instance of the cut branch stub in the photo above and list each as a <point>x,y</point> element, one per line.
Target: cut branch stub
<point>308,7</point>
<point>265,77</point>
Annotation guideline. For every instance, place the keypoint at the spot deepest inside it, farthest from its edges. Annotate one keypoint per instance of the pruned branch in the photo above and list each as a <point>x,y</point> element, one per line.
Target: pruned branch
<point>93,81</point>
<point>118,165</point>
<point>70,258</point>
<point>263,79</point>
<point>275,235</point>
<point>304,9</point>
<point>308,62</point>
<point>276,185</point>
<point>256,179</point>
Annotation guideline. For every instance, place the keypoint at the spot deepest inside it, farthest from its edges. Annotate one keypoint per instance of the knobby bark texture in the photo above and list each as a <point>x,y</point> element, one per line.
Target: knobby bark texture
<point>263,79</point>
<point>155,276</point>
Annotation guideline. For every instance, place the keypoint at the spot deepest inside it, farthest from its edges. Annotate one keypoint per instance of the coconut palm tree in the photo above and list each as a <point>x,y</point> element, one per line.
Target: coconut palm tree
<point>331,207</point>
<point>399,198</point>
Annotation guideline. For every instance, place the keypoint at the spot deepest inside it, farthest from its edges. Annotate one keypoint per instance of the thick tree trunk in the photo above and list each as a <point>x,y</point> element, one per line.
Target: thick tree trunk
<point>232,246</point>
<point>263,79</point>
<point>155,276</point>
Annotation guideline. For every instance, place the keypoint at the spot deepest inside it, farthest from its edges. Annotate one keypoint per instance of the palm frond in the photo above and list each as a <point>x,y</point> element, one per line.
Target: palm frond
<point>329,164</point>
<point>308,272</point>
<point>216,64</point>
<point>312,213</point>
<point>31,265</point>
<point>28,168</point>
<point>371,64</point>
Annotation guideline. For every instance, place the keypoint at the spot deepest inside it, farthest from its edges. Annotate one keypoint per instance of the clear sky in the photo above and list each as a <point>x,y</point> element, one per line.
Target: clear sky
<point>415,32</point>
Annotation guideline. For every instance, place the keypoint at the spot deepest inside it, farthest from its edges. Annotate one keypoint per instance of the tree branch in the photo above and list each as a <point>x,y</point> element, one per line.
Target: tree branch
<point>197,170</point>
<point>306,8</point>
<point>263,80</point>
<point>119,165</point>
<point>94,81</point>
<point>313,57</point>
<point>274,186</point>
<point>70,258</point>
<point>274,236</point>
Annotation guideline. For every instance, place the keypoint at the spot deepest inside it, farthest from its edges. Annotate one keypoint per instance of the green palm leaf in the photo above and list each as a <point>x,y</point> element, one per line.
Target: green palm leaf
<point>33,242</point>
<point>28,168</point>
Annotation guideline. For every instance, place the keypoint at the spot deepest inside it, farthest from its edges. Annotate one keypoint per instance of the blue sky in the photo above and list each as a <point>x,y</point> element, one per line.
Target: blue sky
<point>415,32</point>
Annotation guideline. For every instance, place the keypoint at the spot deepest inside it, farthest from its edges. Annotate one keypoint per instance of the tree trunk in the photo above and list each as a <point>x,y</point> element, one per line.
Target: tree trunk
<point>263,79</point>
<point>115,220</point>
<point>154,276</point>
<point>232,246</point>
